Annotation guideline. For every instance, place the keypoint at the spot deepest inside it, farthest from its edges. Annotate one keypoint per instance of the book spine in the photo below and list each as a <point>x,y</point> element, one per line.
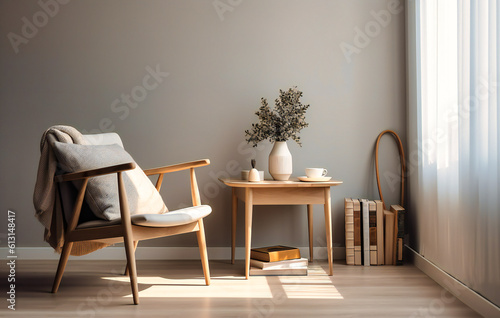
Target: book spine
<point>349,231</point>
<point>366,232</point>
<point>357,231</point>
<point>401,226</point>
<point>389,237</point>
<point>260,256</point>
<point>380,232</point>
<point>278,272</point>
<point>295,263</point>
<point>284,255</point>
<point>373,232</point>
<point>395,237</point>
<point>274,256</point>
<point>399,230</point>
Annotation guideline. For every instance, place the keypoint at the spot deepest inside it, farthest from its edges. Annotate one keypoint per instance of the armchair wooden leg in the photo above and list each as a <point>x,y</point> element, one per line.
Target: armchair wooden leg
<point>129,250</point>
<point>128,238</point>
<point>135,248</point>
<point>62,265</point>
<point>203,251</point>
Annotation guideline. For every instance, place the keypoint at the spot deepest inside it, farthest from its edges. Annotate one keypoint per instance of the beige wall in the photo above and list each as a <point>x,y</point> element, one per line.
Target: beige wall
<point>221,58</point>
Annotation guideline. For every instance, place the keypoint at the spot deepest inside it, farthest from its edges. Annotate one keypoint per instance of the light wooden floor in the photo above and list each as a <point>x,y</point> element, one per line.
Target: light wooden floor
<point>176,289</point>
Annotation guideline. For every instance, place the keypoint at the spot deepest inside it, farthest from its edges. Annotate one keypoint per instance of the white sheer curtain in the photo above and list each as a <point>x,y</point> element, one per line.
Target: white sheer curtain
<point>456,95</point>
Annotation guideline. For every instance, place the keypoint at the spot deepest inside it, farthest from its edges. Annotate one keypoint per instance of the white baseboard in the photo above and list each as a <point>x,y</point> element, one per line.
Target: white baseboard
<point>469,297</point>
<point>156,253</point>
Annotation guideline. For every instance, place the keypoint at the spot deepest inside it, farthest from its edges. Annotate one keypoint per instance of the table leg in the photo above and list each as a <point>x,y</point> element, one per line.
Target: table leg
<point>328,228</point>
<point>310,224</point>
<point>233,225</point>
<point>248,229</point>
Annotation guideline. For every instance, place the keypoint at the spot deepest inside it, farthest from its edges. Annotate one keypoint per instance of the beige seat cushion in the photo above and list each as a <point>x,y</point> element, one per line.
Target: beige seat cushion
<point>172,218</point>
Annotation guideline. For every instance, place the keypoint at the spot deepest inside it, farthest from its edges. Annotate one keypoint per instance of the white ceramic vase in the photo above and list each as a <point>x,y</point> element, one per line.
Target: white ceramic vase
<point>280,161</point>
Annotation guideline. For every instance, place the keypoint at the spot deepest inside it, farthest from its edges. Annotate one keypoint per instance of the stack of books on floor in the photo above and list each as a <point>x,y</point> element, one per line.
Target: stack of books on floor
<point>277,261</point>
<point>373,236</point>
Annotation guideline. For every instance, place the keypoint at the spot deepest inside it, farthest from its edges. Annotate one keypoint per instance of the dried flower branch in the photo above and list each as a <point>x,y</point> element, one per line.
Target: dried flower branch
<point>283,122</point>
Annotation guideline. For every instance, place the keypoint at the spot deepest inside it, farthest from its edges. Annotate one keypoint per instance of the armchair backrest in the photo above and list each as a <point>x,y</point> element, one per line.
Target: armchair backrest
<point>103,139</point>
<point>102,195</point>
<point>67,190</point>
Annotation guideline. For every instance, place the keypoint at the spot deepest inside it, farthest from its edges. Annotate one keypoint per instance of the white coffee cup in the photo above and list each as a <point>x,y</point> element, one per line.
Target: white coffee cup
<point>316,172</point>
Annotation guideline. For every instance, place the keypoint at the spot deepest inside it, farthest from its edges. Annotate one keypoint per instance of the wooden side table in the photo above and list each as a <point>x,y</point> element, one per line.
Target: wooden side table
<point>270,192</point>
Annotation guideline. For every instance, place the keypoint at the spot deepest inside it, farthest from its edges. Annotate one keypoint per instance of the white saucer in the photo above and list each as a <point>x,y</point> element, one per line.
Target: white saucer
<point>319,179</point>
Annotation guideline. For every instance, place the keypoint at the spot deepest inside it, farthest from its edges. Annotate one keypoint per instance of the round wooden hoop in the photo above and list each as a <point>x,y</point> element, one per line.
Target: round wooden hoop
<point>403,165</point>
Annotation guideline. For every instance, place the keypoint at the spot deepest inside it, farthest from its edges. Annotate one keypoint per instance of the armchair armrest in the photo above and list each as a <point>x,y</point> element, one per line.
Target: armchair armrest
<point>95,172</point>
<point>177,167</point>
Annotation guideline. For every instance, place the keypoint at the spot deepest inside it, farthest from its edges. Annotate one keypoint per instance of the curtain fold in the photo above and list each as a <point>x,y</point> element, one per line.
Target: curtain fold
<point>455,104</point>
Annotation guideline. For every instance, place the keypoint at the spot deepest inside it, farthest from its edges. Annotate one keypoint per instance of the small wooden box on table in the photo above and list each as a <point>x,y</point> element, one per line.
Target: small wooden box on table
<point>270,192</point>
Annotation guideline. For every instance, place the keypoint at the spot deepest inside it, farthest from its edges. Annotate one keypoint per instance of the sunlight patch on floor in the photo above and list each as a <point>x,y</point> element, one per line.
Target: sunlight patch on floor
<point>318,287</point>
<point>307,291</point>
<point>257,287</point>
<point>293,287</point>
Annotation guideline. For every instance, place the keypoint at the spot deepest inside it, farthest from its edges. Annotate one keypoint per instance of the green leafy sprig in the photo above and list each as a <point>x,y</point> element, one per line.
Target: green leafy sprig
<point>282,123</point>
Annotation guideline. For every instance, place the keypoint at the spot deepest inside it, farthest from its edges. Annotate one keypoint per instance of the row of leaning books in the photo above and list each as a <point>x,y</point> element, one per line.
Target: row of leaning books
<point>277,260</point>
<point>373,236</point>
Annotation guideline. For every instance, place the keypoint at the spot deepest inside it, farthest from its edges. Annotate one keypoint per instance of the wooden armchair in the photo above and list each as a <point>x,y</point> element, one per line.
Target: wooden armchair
<point>131,229</point>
